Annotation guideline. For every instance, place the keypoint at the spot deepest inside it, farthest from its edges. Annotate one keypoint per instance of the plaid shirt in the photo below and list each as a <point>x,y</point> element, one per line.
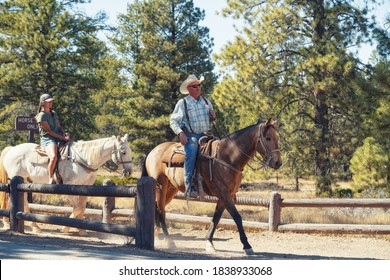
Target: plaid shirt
<point>198,114</point>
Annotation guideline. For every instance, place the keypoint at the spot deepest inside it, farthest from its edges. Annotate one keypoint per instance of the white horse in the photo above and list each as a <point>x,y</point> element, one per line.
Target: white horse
<point>79,168</point>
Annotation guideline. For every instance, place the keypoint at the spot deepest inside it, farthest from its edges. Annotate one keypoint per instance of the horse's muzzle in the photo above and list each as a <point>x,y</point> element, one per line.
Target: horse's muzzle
<point>275,164</point>
<point>127,172</point>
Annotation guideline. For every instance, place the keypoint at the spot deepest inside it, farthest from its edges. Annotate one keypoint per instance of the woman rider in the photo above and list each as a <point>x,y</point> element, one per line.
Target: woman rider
<point>50,131</point>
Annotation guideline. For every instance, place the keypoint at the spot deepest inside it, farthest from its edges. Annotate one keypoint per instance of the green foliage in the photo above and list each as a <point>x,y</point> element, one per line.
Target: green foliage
<point>119,181</point>
<point>47,48</point>
<point>161,43</point>
<point>369,165</point>
<point>291,61</point>
<point>343,193</point>
<point>379,122</point>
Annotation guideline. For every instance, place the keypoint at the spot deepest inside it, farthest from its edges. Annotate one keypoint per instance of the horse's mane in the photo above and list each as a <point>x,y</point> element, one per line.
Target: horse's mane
<point>91,148</point>
<point>238,133</point>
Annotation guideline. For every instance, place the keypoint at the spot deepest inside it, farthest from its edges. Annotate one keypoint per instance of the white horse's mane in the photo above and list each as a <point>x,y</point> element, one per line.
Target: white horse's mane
<point>91,149</point>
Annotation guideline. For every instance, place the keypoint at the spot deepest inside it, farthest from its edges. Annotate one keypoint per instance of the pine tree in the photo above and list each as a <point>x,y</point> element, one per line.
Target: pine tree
<point>368,165</point>
<point>162,43</point>
<point>45,47</point>
<point>292,62</point>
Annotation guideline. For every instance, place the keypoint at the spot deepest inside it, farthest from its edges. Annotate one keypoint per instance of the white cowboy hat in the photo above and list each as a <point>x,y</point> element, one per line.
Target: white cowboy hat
<point>190,79</point>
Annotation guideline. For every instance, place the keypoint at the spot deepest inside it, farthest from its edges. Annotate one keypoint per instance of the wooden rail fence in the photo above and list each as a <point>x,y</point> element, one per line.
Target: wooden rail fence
<point>275,204</point>
<point>145,205</point>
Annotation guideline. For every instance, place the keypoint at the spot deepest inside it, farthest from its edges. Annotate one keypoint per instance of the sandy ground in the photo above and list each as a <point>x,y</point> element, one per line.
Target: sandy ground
<point>51,243</point>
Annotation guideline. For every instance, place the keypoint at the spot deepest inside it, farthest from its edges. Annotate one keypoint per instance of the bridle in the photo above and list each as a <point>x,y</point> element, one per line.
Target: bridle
<point>114,158</point>
<point>122,152</point>
<point>266,159</point>
<point>268,152</point>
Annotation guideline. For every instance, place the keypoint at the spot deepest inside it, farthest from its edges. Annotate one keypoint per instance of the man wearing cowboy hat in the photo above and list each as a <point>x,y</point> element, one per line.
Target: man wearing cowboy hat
<point>190,120</point>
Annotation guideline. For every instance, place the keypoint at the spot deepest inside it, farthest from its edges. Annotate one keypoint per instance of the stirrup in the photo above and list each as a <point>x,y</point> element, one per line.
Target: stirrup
<point>191,192</point>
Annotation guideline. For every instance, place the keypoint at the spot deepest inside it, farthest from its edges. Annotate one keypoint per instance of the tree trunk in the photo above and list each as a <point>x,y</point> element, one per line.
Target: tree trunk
<point>322,159</point>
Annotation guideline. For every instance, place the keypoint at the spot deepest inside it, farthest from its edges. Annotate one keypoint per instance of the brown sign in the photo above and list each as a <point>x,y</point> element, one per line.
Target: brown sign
<point>26,123</point>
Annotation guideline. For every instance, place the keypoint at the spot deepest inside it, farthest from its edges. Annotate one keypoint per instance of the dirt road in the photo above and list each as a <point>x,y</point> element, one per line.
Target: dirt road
<point>52,244</point>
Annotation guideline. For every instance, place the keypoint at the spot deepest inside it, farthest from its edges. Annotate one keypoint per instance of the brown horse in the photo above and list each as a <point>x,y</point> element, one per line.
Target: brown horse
<point>219,173</point>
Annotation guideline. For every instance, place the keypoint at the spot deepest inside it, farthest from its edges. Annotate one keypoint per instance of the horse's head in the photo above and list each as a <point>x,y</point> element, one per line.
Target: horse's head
<point>268,144</point>
<point>121,155</point>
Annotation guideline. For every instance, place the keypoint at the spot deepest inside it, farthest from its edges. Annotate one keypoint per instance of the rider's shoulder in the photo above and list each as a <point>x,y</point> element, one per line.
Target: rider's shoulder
<point>39,115</point>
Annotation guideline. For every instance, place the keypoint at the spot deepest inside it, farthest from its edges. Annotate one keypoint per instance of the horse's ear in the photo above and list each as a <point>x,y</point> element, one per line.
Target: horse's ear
<point>268,122</point>
<point>275,124</point>
<point>125,137</point>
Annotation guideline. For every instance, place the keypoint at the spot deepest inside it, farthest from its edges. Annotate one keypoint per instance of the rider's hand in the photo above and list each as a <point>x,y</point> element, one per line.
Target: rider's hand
<point>67,137</point>
<point>183,138</point>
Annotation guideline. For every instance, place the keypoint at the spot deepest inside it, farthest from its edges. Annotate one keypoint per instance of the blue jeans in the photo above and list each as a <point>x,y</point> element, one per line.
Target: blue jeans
<point>46,141</point>
<point>191,150</point>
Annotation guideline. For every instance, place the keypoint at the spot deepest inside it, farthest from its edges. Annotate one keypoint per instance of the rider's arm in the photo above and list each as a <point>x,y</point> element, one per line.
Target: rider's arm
<point>45,125</point>
<point>177,118</point>
<point>60,129</point>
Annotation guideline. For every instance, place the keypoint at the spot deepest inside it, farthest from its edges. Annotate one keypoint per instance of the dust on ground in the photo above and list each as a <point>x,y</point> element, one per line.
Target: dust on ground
<point>51,243</point>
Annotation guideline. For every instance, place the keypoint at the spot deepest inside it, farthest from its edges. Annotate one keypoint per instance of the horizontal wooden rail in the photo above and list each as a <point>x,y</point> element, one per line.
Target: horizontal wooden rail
<point>117,191</point>
<point>275,204</point>
<point>337,202</point>
<point>170,217</point>
<point>145,205</point>
<point>4,187</point>
<point>251,201</point>
<point>4,213</point>
<point>339,228</point>
<point>61,210</point>
<point>70,222</point>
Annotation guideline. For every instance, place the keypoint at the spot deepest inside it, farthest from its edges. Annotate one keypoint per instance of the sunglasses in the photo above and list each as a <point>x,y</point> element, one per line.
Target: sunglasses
<point>195,86</point>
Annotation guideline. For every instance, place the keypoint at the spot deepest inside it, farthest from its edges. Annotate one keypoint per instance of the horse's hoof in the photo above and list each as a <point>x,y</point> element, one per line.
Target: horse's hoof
<point>249,251</point>
<point>171,244</point>
<point>210,247</point>
<point>36,230</point>
<point>160,236</point>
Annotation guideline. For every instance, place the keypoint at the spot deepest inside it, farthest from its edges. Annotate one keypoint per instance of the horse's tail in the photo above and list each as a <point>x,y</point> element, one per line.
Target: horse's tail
<point>144,171</point>
<point>3,178</point>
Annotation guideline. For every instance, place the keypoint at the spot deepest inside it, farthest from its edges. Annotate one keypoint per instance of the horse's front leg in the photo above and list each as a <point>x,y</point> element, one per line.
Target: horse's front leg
<point>80,213</point>
<point>26,209</point>
<point>220,207</point>
<point>79,204</point>
<point>231,207</point>
<point>163,198</point>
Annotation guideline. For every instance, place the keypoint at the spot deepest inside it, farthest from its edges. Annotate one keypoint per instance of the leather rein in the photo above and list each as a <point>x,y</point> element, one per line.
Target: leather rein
<point>264,161</point>
<point>115,159</point>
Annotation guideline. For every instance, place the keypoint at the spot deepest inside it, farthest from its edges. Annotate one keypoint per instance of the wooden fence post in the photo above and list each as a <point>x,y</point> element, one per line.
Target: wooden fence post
<point>108,203</point>
<point>17,204</point>
<point>146,197</point>
<point>274,211</point>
